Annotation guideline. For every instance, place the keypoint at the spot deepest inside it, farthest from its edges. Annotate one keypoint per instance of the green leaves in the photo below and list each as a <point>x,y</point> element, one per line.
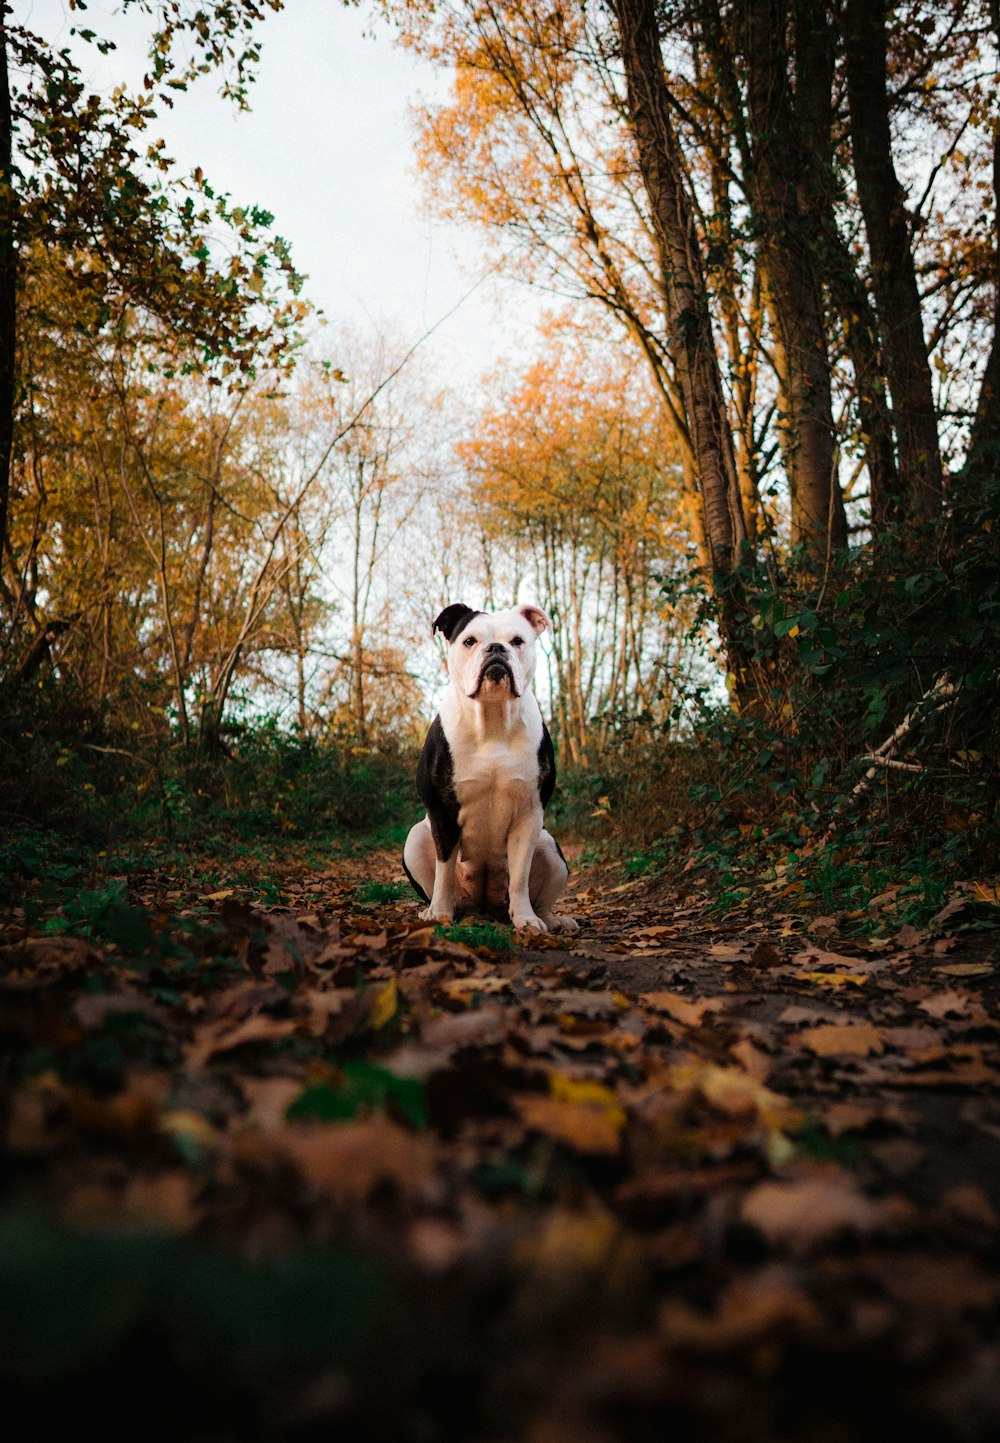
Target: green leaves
<point>365,1088</point>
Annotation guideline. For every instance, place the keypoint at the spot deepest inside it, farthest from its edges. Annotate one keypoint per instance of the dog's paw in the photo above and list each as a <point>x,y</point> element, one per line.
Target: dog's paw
<point>564,924</point>
<point>528,922</point>
<point>428,914</point>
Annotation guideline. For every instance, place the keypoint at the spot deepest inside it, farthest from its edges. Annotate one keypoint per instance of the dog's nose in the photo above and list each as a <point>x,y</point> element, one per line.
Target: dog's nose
<point>496,646</point>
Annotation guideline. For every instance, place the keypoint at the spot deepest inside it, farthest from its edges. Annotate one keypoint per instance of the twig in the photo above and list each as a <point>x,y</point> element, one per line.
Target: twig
<point>941,694</point>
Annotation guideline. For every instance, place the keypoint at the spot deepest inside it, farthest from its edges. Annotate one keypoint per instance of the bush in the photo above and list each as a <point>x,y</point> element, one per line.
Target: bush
<point>74,788</point>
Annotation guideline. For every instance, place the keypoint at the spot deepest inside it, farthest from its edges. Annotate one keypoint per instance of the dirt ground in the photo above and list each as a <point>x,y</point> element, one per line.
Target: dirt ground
<point>310,1169</point>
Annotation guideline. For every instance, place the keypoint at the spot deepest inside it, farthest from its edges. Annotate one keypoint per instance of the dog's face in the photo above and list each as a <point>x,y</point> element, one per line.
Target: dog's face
<point>491,655</point>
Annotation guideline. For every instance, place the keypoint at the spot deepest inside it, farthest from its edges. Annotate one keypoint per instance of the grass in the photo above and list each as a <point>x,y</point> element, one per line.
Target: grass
<point>479,934</point>
<point>371,894</point>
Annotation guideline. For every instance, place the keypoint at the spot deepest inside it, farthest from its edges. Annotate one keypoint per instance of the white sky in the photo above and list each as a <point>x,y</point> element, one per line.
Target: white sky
<point>328,148</point>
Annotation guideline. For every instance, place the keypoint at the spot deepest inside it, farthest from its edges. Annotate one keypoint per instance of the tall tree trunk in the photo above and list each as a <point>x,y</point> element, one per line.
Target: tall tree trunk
<point>807,439</point>
<point>849,299</point>
<point>8,285</point>
<point>894,280</point>
<point>984,443</point>
<point>692,343</point>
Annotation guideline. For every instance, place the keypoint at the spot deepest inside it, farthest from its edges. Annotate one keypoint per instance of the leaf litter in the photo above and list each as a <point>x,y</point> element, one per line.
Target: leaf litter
<point>539,1193</point>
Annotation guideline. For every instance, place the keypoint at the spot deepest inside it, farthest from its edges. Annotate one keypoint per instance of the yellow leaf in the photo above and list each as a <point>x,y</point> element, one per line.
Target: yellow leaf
<point>832,979</point>
<point>572,1089</point>
<point>384,1004</point>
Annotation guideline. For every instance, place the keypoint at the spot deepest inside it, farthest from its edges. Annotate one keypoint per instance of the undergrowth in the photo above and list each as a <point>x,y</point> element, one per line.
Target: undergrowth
<point>87,808</point>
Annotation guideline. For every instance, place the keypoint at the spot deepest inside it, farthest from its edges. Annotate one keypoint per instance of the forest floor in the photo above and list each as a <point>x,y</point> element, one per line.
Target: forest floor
<point>298,1165</point>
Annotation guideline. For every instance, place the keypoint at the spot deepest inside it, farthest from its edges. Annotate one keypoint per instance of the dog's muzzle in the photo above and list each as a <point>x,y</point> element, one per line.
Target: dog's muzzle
<point>496,668</point>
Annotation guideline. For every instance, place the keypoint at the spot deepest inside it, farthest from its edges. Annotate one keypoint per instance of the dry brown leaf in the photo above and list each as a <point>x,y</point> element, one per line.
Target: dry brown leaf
<point>722,952</point>
<point>947,1004</point>
<point>347,1162</point>
<point>814,960</point>
<point>479,1027</point>
<point>586,1127</point>
<point>970,1202</point>
<point>164,1201</point>
<point>909,1039</point>
<point>832,1039</point>
<point>462,987</point>
<point>945,1287</point>
<point>765,954</point>
<point>436,1245</point>
<point>322,1004</point>
<point>813,1210</point>
<point>269,1099</point>
<point>222,1037</point>
<point>93,1008</point>
<point>679,1008</point>
<point>755,1063</point>
<point>849,1117</point>
<point>747,1313</point>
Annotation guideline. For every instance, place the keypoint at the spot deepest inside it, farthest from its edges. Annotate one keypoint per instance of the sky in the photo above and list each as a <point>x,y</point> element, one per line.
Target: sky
<point>328,148</point>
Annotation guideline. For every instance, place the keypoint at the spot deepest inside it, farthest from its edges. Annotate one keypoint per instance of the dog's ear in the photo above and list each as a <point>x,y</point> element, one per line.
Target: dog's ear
<point>536,618</point>
<point>452,619</point>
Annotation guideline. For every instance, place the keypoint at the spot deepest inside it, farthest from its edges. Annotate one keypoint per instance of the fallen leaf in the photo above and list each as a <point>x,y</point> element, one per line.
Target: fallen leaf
<point>947,1004</point>
<point>93,1008</point>
<point>755,1063</point>
<point>582,1126</point>
<point>479,1027</point>
<point>810,1211</point>
<point>216,1037</point>
<point>968,1201</point>
<point>833,979</point>
<point>679,1008</point>
<point>347,1161</point>
<point>384,1004</point>
<point>765,955</point>
<point>747,1313</point>
<point>814,960</point>
<point>849,1117</point>
<point>831,1039</point>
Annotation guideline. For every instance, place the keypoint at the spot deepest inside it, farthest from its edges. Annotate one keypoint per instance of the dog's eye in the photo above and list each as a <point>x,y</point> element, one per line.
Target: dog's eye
<point>469,641</point>
<point>517,641</point>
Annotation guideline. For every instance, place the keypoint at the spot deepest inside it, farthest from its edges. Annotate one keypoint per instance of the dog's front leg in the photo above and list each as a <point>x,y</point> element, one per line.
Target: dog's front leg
<point>442,903</point>
<point>522,839</point>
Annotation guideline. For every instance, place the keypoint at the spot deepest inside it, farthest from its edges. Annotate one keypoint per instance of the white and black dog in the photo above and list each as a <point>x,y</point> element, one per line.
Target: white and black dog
<point>486,772</point>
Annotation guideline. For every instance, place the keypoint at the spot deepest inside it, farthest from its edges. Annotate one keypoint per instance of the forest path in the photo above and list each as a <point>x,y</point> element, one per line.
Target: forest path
<point>744,1169</point>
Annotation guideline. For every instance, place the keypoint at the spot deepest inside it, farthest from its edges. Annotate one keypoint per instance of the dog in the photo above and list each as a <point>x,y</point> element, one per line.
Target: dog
<point>485,775</point>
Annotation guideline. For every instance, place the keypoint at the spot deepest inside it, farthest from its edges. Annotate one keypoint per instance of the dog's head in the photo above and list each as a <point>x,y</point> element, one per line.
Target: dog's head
<point>491,655</point>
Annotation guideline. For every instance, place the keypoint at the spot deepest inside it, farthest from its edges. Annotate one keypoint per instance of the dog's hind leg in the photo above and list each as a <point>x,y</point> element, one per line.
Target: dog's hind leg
<point>433,878</point>
<point>420,859</point>
<point>549,875</point>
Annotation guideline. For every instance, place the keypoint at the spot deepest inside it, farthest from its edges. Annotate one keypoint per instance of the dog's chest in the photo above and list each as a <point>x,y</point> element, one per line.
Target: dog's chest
<point>496,782</point>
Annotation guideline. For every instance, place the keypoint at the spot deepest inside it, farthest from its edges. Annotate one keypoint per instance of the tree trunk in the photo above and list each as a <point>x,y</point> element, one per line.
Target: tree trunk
<point>984,443</point>
<point>806,432</point>
<point>894,280</point>
<point>8,286</point>
<point>849,299</point>
<point>692,343</point>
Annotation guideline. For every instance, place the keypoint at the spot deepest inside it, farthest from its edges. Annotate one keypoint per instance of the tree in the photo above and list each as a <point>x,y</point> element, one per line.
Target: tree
<point>893,273</point>
<point>75,181</point>
<point>587,491</point>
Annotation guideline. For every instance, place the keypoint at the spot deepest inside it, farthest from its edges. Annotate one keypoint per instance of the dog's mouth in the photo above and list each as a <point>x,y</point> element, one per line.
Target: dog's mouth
<point>498,673</point>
